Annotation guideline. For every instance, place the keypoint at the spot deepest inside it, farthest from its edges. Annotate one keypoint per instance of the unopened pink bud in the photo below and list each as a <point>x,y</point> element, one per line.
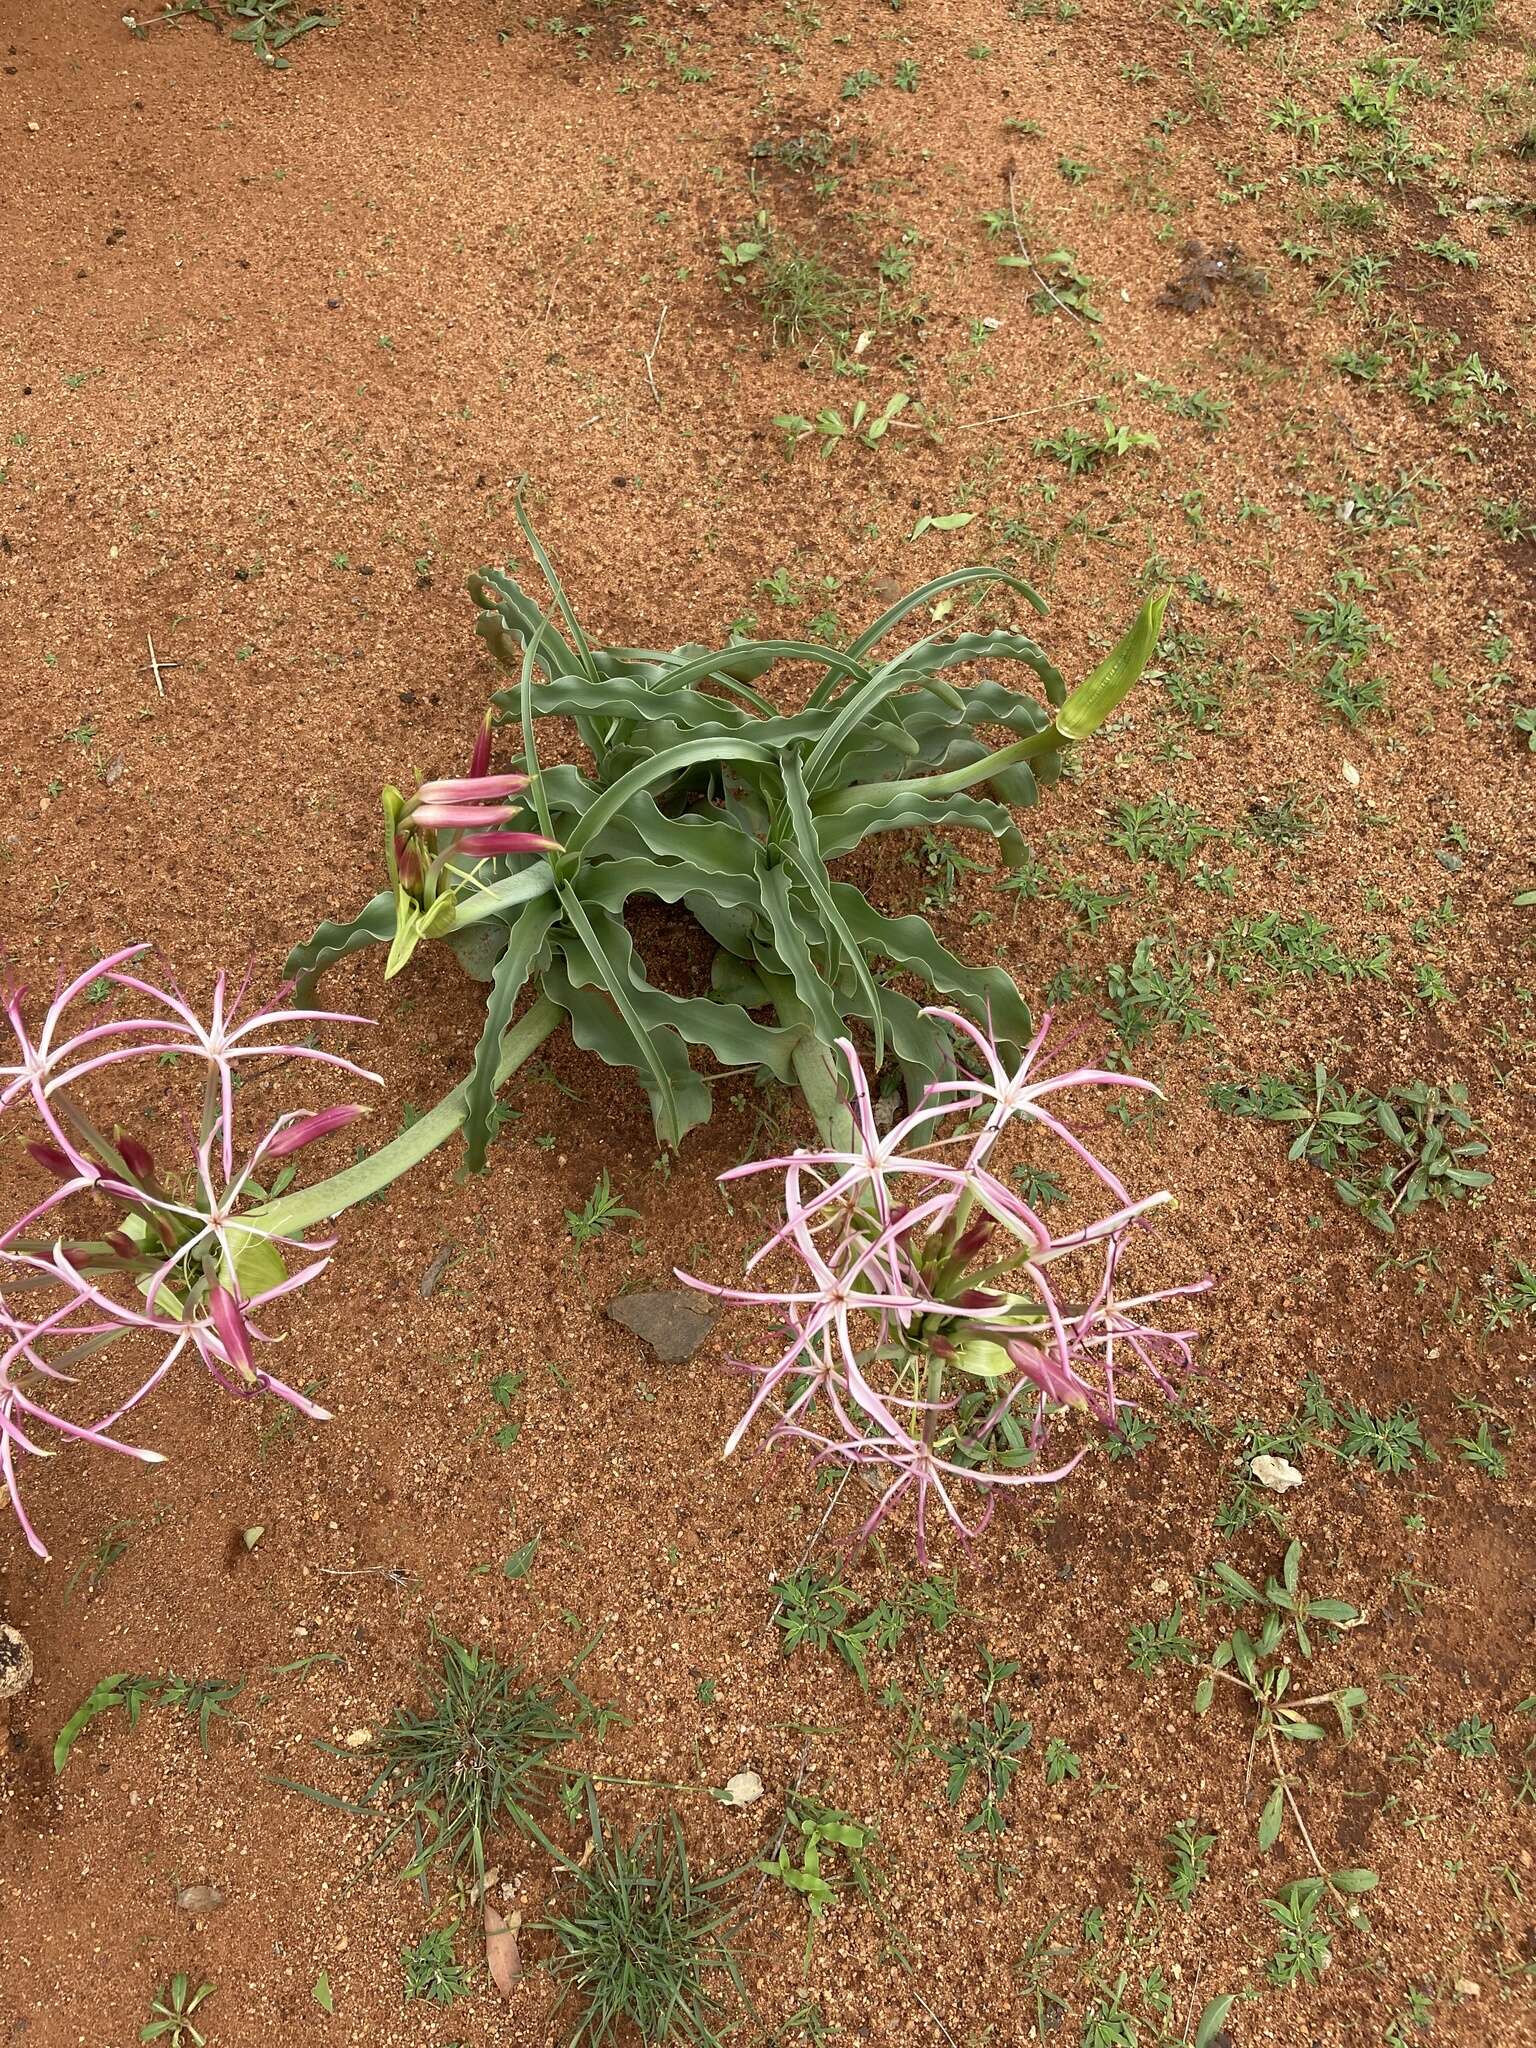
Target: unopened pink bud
<point>970,1242</point>
<point>408,865</point>
<point>471,789</point>
<point>230,1325</point>
<point>52,1160</point>
<point>506,842</point>
<point>480,759</point>
<point>307,1129</point>
<point>138,1159</point>
<point>122,1244</point>
<point>447,817</point>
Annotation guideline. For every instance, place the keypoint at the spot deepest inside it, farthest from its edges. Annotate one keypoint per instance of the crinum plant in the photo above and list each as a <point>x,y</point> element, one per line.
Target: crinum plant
<point>933,1327</point>
<point>697,789</point>
<point>160,1252</point>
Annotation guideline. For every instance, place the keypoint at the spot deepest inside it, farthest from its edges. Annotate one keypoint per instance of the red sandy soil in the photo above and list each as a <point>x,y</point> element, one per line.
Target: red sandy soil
<point>275,347</point>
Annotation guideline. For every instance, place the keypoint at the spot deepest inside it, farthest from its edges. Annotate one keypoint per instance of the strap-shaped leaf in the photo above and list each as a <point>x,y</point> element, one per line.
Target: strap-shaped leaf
<point>1099,694</point>
<point>735,930</point>
<point>556,587</point>
<point>657,1076</point>
<point>734,1038</point>
<point>524,943</point>
<point>537,792</point>
<point>765,652</point>
<point>928,657</point>
<point>894,809</point>
<point>606,885</point>
<point>626,698</point>
<point>374,925</point>
<point>792,956</point>
<point>953,580</point>
<point>499,899</point>
<point>806,854</point>
<point>714,845</point>
<point>987,992</point>
<point>923,1048</point>
<point>508,610</point>
<point>847,716</point>
<point>658,769</point>
<point>607,697</point>
<point>990,702</point>
<point>733,981</point>
<point>598,1025</point>
<point>1016,785</point>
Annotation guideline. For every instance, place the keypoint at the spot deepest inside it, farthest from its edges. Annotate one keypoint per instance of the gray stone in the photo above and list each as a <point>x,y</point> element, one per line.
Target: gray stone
<point>672,1323</point>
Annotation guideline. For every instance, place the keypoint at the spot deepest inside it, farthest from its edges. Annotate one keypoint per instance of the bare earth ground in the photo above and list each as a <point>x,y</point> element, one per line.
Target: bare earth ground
<point>275,346</point>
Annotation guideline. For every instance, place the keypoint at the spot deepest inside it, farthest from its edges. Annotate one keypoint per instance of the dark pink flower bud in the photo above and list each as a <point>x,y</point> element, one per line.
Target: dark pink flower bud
<point>480,759</point>
<point>138,1159</point>
<point>307,1129</point>
<point>408,864</point>
<point>440,814</point>
<point>472,789</point>
<point>970,1242</point>
<point>229,1322</point>
<point>506,842</point>
<point>52,1160</point>
<point>122,1244</point>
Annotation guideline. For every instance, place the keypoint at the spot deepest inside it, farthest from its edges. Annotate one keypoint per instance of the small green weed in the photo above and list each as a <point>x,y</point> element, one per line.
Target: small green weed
<point>170,2013</point>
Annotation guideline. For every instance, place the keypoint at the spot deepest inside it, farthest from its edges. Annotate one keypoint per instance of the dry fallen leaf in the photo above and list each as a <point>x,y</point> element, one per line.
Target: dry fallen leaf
<point>501,1957</point>
<point>743,1789</point>
<point>1278,1474</point>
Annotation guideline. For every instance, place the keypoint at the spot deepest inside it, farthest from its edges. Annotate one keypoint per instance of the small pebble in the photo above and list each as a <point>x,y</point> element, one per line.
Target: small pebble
<point>200,1898</point>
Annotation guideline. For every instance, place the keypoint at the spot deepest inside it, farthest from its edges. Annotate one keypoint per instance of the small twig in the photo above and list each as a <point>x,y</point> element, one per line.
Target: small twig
<point>650,358</point>
<point>1194,1993</point>
<point>999,419</point>
<point>397,1574</point>
<point>927,2008</point>
<point>837,1495</point>
<point>778,1840</point>
<point>1013,217</point>
<point>1290,1800</point>
<point>159,667</point>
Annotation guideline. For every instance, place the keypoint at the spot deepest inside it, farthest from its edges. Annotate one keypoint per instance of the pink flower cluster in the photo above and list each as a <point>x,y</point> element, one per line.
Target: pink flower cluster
<point>936,1323</point>
<point>473,814</point>
<point>179,1265</point>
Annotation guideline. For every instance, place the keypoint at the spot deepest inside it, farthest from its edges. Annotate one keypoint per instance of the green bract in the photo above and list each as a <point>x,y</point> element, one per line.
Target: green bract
<point>698,790</point>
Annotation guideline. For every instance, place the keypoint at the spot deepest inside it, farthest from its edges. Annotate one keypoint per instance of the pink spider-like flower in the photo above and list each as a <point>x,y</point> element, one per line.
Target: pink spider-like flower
<point>938,1324</point>
<point>182,1265</point>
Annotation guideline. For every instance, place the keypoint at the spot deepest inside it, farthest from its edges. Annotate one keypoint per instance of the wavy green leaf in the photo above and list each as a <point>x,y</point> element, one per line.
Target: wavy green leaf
<point>953,580</point>
<point>658,769</point>
<point>660,1087</point>
<point>524,943</point>
<point>928,657</point>
<point>987,992</point>
<point>806,853</point>
<point>793,957</point>
<point>895,809</point>
<point>735,1039</point>
<point>556,587</point>
<point>574,981</point>
<point>374,925</point>
<point>606,885</point>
